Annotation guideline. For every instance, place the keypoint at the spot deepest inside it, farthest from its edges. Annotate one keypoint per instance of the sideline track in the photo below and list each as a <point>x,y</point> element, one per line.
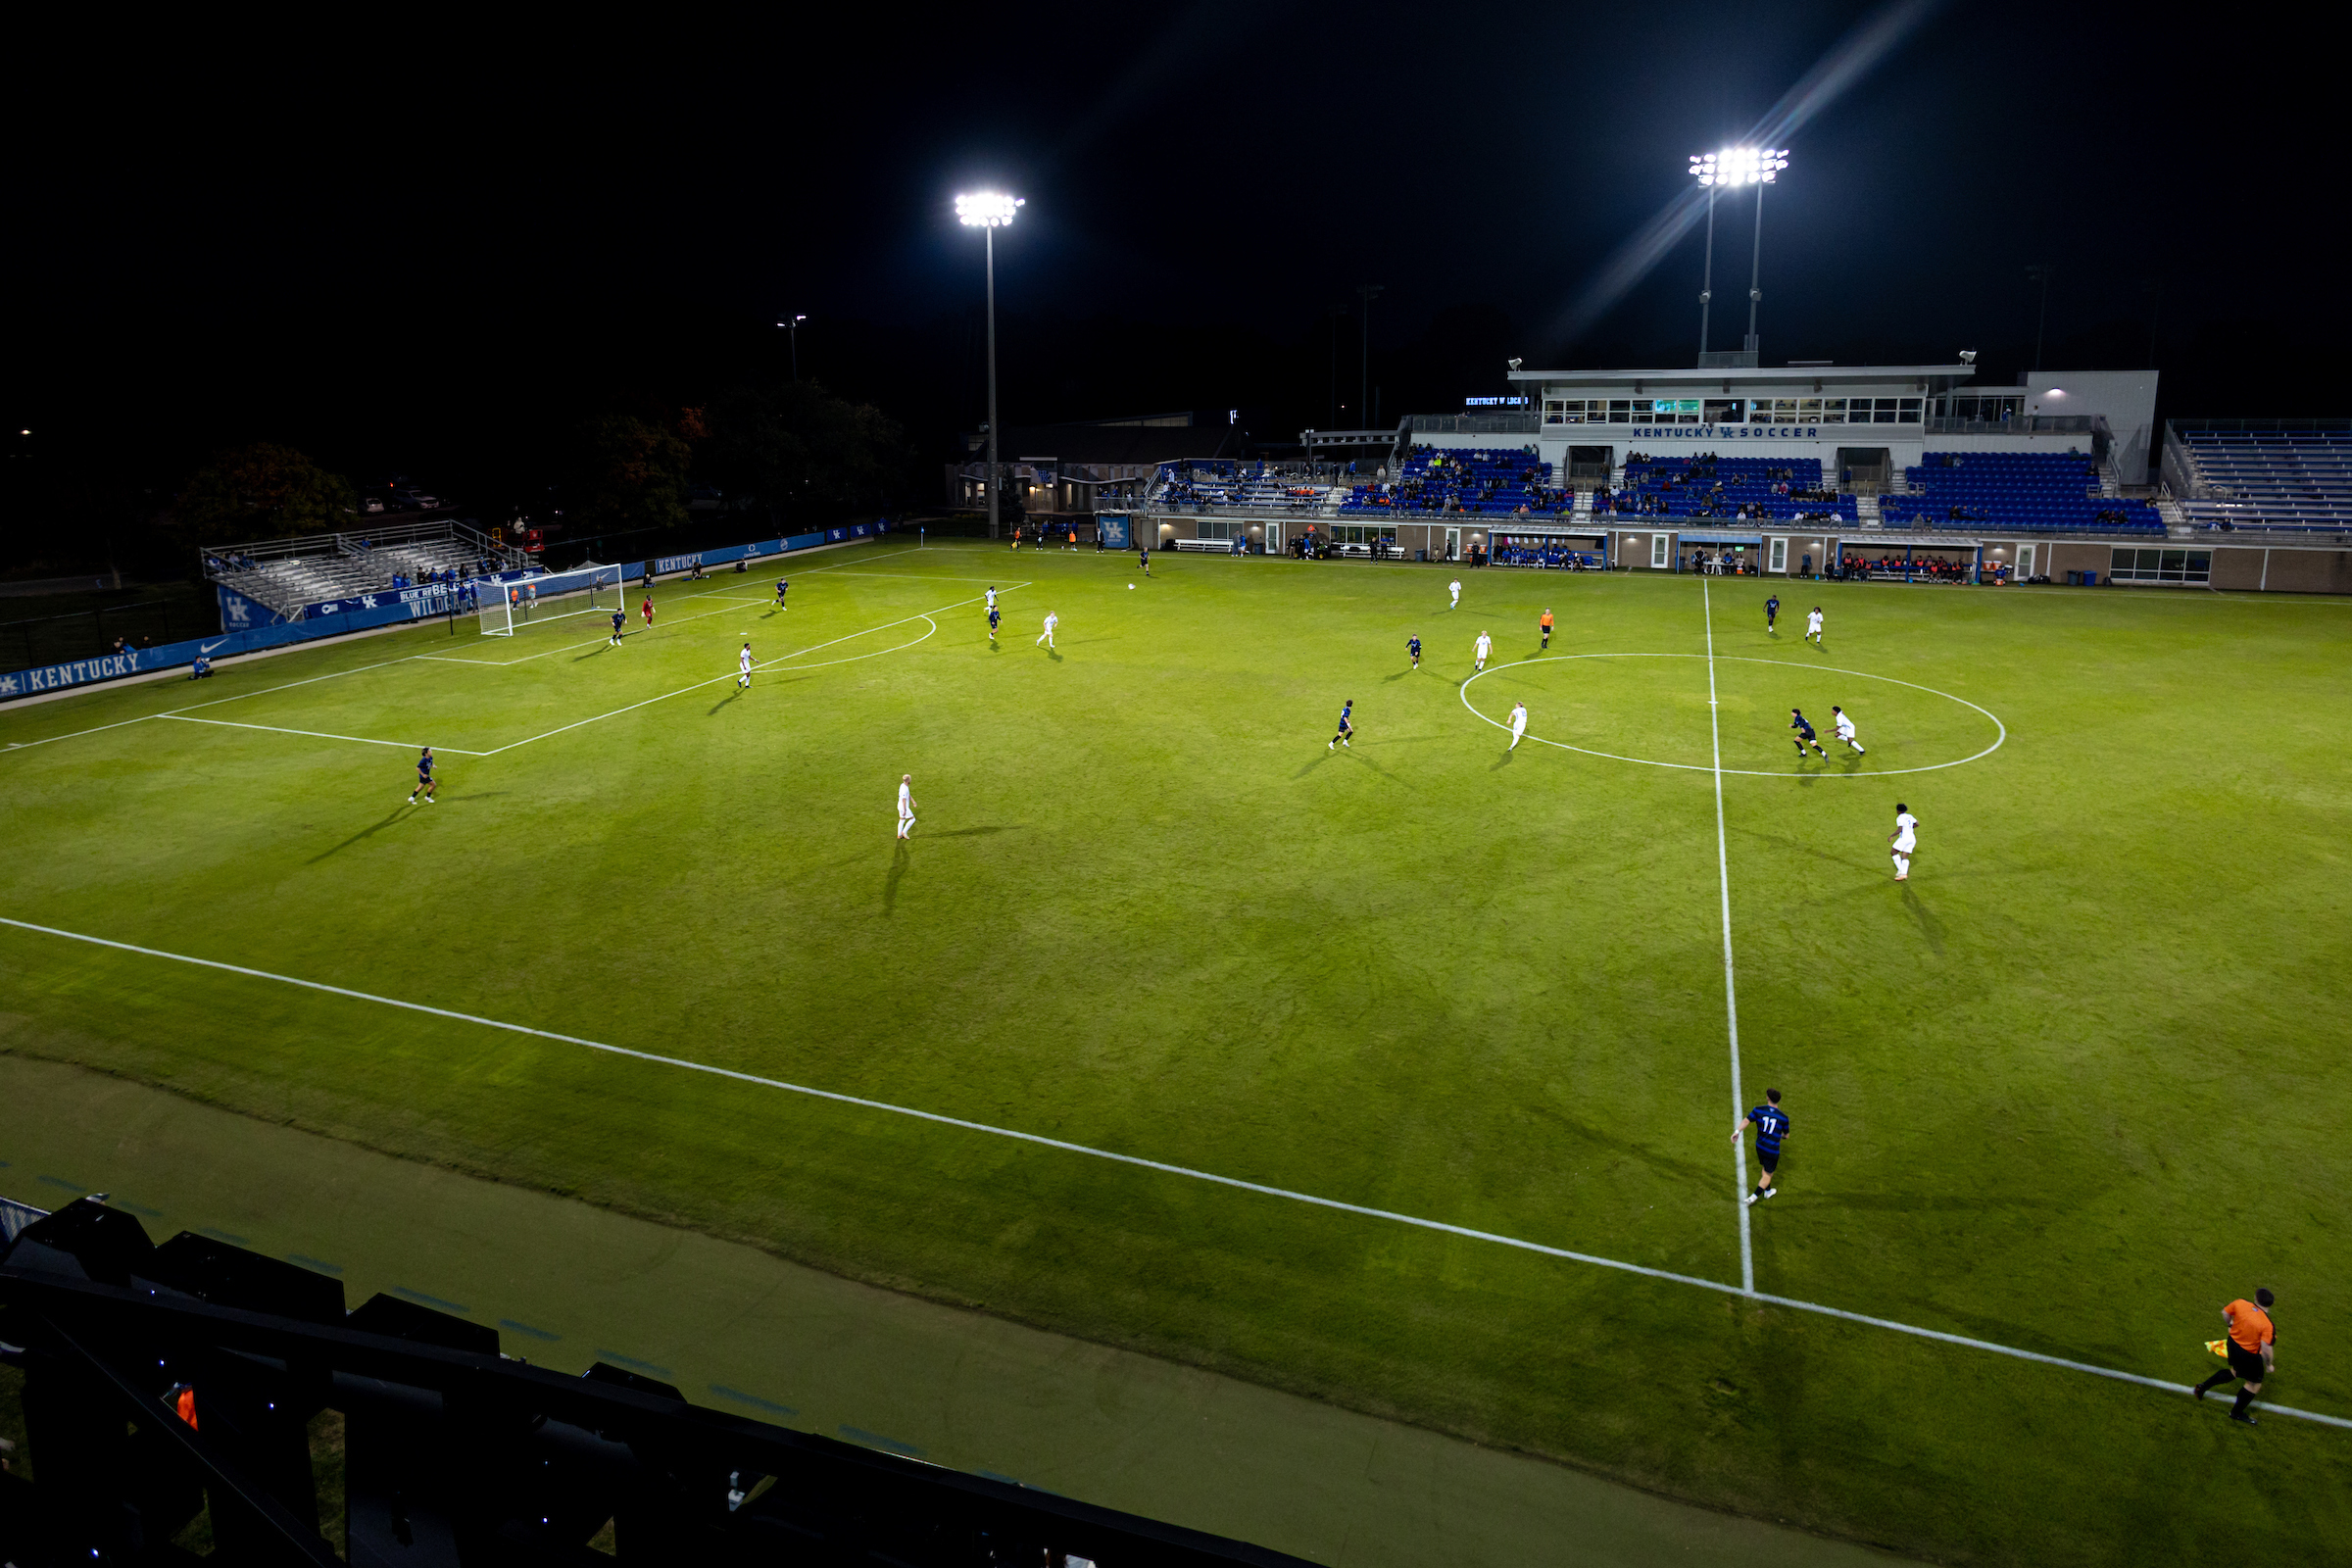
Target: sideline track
<point>1168,1168</point>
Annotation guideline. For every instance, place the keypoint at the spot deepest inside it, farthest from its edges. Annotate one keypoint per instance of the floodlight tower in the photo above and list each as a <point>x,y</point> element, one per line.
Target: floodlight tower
<point>1737,166</point>
<point>792,324</point>
<point>988,211</point>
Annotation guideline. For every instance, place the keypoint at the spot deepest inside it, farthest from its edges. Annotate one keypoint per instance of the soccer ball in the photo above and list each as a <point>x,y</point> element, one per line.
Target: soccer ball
<point>1131,587</point>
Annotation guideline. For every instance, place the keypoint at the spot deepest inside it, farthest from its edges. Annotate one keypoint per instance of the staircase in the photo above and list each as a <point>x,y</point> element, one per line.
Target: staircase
<point>2175,517</point>
<point>1866,511</point>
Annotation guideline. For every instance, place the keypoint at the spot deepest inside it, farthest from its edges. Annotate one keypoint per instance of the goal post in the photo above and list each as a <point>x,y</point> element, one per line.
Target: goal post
<point>552,597</point>
<point>498,618</point>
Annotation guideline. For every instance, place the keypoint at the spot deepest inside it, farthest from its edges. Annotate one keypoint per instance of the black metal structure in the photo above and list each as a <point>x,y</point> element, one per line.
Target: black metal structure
<point>455,1453</point>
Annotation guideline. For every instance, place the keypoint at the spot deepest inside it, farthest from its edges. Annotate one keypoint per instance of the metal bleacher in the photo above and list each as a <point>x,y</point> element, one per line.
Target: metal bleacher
<point>2273,478</point>
<point>286,575</point>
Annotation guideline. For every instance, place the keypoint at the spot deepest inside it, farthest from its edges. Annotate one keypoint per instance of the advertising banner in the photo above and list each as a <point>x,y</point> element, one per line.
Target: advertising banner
<point>247,625</point>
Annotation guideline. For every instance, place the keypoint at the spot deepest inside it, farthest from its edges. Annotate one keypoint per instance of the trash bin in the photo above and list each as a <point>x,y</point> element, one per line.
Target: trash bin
<point>2091,579</point>
<point>1420,554</point>
<point>2074,579</point>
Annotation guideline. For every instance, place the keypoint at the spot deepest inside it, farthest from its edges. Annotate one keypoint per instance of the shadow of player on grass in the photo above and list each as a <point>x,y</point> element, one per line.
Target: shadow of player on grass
<point>398,813</point>
<point>900,860</point>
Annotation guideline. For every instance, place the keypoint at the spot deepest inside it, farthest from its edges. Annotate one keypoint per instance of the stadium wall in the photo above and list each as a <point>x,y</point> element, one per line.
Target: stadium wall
<point>248,625</point>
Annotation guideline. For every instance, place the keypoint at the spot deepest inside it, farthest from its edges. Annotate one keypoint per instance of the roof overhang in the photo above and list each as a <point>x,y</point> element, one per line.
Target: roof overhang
<point>1759,375</point>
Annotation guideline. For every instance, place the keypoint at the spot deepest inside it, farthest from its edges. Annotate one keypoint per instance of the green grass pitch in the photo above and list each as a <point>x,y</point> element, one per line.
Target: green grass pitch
<point>2075,1085</point>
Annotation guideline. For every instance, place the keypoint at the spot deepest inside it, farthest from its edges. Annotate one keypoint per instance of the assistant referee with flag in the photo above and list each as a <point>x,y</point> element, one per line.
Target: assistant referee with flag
<point>2250,1348</point>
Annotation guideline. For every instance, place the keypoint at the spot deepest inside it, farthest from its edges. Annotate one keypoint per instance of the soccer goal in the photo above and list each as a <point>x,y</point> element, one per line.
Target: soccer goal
<point>506,606</point>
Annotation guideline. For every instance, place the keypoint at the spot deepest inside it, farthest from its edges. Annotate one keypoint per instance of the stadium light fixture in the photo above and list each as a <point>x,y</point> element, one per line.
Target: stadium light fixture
<point>1734,167</point>
<point>1740,166</point>
<point>988,210</point>
<point>792,324</point>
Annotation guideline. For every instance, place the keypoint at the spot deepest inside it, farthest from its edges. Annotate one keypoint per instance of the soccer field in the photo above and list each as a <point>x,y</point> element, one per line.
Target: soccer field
<point>1402,1075</point>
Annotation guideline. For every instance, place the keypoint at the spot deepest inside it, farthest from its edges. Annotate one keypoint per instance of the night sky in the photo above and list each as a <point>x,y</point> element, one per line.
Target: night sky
<point>430,250</point>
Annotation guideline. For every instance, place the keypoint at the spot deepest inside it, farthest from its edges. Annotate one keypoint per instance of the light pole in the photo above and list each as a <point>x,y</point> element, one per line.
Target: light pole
<point>1737,166</point>
<point>987,211</point>
<point>2039,272</point>
<point>792,324</point>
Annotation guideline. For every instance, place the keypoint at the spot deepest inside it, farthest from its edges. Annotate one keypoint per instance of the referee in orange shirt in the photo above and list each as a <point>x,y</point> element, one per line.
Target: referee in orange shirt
<point>2251,1344</point>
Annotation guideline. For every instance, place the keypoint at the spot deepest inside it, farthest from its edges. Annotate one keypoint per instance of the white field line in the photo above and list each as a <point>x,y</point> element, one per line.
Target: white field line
<point>27,746</point>
<point>885,555</point>
<point>784,659</point>
<point>1166,1168</point>
<point>287,686</point>
<point>458,751</point>
<point>905,576</point>
<point>564,647</point>
<point>175,713</point>
<point>1730,993</point>
<point>2000,735</point>
<point>320,734</point>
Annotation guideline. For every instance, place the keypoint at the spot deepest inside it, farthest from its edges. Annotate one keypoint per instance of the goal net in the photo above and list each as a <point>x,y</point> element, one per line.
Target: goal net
<point>508,607</point>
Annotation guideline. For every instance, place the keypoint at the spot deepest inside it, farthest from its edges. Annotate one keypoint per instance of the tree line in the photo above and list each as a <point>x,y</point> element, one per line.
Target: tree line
<point>794,451</point>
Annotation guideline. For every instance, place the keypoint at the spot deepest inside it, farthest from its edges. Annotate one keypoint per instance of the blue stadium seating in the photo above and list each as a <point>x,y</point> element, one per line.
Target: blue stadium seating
<point>1997,492</point>
<point>2296,481</point>
<point>1456,479</point>
<point>1763,489</point>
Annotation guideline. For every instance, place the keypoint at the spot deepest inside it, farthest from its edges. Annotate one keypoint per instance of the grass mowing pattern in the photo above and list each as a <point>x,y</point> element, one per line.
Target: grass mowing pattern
<point>2070,1089</point>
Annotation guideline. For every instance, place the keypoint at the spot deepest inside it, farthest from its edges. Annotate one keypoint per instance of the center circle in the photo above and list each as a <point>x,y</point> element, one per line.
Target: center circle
<point>1653,710</point>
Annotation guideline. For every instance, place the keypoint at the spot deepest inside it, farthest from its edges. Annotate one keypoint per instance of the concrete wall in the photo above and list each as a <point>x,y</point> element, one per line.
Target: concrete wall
<point>1630,547</point>
<point>2288,570</point>
<point>2127,400</point>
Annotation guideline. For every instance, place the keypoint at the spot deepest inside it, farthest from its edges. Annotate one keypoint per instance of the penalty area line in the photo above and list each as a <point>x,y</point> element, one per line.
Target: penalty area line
<point>1164,1167</point>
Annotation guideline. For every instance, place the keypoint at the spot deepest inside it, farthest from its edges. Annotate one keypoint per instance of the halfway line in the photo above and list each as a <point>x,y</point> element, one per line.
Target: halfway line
<point>1162,1166</point>
<point>1731,994</point>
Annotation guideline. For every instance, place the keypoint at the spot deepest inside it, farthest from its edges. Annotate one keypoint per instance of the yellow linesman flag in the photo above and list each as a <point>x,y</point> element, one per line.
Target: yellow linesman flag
<point>2220,1347</point>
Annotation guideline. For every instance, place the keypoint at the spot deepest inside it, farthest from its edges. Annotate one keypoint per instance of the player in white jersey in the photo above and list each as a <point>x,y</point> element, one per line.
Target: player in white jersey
<point>1813,625</point>
<point>1518,725</point>
<point>992,598</point>
<point>905,804</point>
<point>1846,728</point>
<point>743,669</point>
<point>1486,646</point>
<point>1904,840</point>
<point>1047,636</point>
<point>1454,588</point>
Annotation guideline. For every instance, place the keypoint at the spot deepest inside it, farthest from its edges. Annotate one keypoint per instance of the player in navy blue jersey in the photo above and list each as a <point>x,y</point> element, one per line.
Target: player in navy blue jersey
<point>994,615</point>
<point>1771,1123</point>
<point>620,618</point>
<point>1412,645</point>
<point>1346,725</point>
<point>1803,726</point>
<point>424,777</point>
<point>781,585</point>
<point>1771,612</point>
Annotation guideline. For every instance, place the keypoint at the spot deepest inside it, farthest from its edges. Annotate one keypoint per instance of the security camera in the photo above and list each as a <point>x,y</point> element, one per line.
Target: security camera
<point>1968,355</point>
<point>1515,364</point>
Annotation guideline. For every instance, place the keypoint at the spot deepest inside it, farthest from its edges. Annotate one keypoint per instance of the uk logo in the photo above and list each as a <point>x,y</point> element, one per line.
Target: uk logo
<point>367,600</point>
<point>8,686</point>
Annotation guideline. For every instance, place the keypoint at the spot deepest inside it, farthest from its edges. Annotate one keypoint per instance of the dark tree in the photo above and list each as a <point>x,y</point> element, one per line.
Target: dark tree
<point>263,491</point>
<point>803,452</point>
<point>633,471</point>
